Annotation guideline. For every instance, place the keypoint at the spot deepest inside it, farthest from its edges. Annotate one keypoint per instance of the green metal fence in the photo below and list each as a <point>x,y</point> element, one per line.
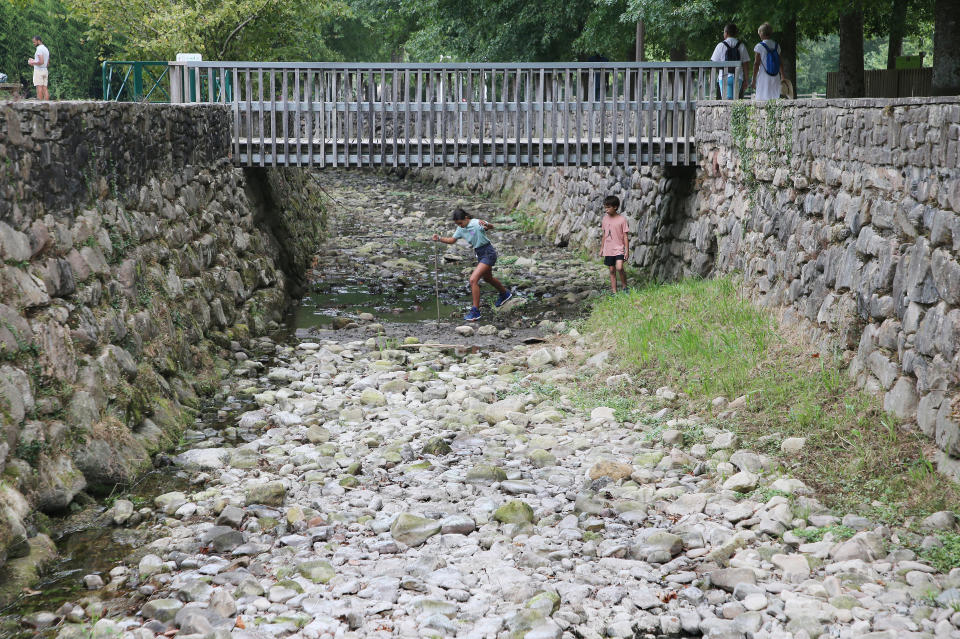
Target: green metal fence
<point>129,81</point>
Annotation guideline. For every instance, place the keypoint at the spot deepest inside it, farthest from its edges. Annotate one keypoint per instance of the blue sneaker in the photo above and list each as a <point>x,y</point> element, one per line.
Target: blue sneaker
<point>473,315</point>
<point>503,297</point>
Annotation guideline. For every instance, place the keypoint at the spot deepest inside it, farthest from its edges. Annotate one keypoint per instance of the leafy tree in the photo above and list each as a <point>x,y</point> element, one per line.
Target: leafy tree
<point>218,29</point>
<point>946,44</point>
<point>74,62</point>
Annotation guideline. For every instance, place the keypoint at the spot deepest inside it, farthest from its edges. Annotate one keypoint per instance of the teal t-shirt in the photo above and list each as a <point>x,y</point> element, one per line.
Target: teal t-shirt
<point>472,233</point>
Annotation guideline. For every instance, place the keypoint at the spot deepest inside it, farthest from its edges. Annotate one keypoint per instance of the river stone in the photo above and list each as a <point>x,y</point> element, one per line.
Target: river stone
<point>149,565</point>
<point>121,512</point>
<point>943,520</point>
<point>317,434</point>
<point>545,602</point>
<point>514,512</point>
<point>230,516</point>
<point>457,525</point>
<point>371,397</point>
<point>222,538</point>
<point>270,494</point>
<point>540,458</point>
<point>612,469</point>
<point>795,567</point>
<point>730,578</point>
<point>464,330</point>
<point>161,609</point>
<point>742,482</point>
<point>866,546</point>
<point>413,530</point>
<point>203,458</point>
<point>485,473</point>
<point>540,358</point>
<point>436,446</point>
<point>318,571</point>
<point>499,411</point>
<point>792,445</point>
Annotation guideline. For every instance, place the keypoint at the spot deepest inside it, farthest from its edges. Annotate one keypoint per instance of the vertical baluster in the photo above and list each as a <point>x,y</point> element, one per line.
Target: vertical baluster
<point>371,116</point>
<point>641,89</point>
<point>419,118</point>
<point>506,102</point>
<point>675,108</point>
<point>591,103</point>
<point>308,120</point>
<point>566,117</point>
<point>406,116</point>
<point>578,117</point>
<point>445,76</point>
<point>627,118</point>
<point>539,111</point>
<point>431,120</point>
<point>529,117</point>
<point>481,116</point>
<point>516,115</point>
<point>348,117</point>
<point>335,125</point>
<point>469,105</point>
<point>394,86</point>
<point>457,125</point>
<point>613,121</point>
<point>652,113</point>
<point>249,92</point>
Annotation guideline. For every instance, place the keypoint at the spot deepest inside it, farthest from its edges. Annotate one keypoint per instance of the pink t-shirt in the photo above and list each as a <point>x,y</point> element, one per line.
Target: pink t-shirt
<point>615,230</point>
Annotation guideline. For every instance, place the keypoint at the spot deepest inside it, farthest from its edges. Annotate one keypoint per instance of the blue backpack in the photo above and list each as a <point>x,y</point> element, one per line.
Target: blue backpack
<point>772,63</point>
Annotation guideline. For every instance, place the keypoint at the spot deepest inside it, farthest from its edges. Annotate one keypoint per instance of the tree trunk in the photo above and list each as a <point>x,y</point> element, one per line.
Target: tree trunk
<point>679,52</point>
<point>898,29</point>
<point>641,44</point>
<point>788,51</point>
<point>946,47</point>
<point>851,51</point>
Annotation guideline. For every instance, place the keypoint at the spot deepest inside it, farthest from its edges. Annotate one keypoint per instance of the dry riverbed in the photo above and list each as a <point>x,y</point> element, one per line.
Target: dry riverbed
<point>376,487</point>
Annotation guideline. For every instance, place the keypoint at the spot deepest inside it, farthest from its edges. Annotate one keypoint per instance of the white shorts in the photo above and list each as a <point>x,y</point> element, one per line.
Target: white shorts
<point>40,77</point>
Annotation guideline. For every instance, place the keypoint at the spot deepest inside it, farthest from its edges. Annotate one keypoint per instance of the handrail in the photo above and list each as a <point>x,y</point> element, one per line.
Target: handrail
<point>453,66</point>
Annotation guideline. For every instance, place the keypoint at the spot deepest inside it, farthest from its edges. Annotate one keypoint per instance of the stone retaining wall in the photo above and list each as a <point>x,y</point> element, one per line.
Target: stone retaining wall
<point>133,256</point>
<point>842,216</point>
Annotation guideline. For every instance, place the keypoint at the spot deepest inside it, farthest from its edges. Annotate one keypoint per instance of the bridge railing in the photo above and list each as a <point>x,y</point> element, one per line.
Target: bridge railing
<point>135,81</point>
<point>456,114</point>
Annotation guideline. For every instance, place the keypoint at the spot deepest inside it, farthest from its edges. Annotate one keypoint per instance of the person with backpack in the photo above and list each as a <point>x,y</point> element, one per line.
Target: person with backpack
<point>767,66</point>
<point>730,49</point>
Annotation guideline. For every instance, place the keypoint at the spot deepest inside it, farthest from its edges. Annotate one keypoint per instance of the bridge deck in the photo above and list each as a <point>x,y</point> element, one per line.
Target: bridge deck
<point>455,115</point>
<point>269,151</point>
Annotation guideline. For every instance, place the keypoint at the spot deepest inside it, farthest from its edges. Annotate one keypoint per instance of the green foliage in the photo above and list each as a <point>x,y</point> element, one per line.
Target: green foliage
<point>74,57</point>
<point>218,29</point>
<point>813,534</point>
<point>946,557</point>
<point>30,452</point>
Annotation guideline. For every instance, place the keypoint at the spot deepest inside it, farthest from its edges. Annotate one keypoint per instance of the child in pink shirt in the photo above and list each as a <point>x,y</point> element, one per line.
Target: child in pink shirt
<point>614,245</point>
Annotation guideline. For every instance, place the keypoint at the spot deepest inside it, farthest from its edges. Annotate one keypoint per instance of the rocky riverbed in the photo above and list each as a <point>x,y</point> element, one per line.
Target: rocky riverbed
<point>379,487</point>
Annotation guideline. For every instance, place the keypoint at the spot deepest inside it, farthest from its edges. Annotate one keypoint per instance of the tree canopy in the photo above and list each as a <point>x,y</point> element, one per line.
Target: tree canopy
<point>81,33</point>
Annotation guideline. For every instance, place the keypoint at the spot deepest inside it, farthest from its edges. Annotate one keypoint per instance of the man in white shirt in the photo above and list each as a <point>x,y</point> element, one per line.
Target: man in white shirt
<point>40,63</point>
<point>731,49</point>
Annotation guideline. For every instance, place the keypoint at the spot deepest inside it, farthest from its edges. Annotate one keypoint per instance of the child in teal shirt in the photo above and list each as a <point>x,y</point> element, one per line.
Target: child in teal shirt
<point>472,231</point>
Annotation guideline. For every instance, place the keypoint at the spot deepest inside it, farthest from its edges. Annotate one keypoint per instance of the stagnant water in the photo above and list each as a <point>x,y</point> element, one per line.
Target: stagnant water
<point>378,265</point>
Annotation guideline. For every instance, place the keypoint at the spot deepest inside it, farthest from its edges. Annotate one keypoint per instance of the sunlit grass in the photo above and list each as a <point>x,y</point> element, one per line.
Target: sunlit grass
<point>703,338</point>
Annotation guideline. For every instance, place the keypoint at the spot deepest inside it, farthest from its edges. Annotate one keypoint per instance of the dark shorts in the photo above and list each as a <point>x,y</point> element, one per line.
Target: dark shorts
<point>486,254</point>
<point>611,260</point>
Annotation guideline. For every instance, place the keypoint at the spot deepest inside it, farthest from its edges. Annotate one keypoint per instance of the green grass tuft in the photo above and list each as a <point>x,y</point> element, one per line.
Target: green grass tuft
<point>702,337</point>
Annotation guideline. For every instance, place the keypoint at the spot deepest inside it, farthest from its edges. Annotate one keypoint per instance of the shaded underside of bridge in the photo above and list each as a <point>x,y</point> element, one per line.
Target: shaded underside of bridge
<point>374,115</point>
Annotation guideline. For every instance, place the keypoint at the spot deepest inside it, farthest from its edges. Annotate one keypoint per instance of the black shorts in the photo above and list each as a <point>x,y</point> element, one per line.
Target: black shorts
<point>611,260</point>
<point>486,254</point>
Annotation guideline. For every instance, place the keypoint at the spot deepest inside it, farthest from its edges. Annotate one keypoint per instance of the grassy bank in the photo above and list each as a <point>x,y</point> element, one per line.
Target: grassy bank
<point>702,338</point>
